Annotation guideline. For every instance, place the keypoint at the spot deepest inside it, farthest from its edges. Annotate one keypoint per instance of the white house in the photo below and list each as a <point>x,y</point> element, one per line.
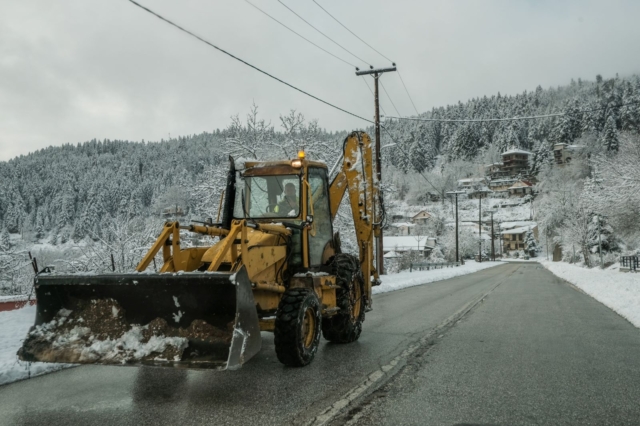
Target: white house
<point>404,244</point>
<point>468,183</point>
<point>514,233</point>
<point>403,228</point>
<point>520,189</point>
<point>421,218</point>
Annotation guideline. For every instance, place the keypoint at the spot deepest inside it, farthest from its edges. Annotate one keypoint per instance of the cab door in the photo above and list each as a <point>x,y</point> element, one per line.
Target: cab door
<point>321,232</point>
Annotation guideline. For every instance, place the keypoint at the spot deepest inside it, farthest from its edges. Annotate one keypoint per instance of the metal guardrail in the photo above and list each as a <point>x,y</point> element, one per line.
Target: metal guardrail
<point>630,263</point>
<point>428,266</point>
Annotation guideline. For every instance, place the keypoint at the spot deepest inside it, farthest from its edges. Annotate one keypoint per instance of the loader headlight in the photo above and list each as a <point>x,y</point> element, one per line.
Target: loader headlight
<point>296,163</point>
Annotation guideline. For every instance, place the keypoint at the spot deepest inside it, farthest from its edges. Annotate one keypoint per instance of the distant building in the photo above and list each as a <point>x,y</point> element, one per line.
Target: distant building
<point>421,218</point>
<point>520,189</point>
<point>404,244</point>
<point>501,184</point>
<point>513,234</point>
<point>515,161</point>
<point>402,228</point>
<point>494,171</point>
<point>469,183</point>
<point>173,212</point>
<point>483,192</point>
<point>563,153</point>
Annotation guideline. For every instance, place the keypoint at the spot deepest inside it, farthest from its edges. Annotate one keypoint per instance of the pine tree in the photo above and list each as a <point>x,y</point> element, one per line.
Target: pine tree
<point>5,239</point>
<point>609,135</point>
<point>541,156</point>
<point>530,243</point>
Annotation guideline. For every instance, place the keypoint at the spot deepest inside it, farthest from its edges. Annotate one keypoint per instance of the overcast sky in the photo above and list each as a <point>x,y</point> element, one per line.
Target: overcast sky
<point>73,70</point>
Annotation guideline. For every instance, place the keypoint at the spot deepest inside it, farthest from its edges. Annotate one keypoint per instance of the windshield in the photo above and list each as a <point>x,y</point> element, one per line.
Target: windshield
<point>268,196</point>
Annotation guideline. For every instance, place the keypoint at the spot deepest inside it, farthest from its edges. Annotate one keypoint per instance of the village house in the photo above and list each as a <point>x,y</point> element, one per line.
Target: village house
<point>494,171</point>
<point>173,212</point>
<point>520,189</point>
<point>402,228</point>
<point>501,185</point>
<point>563,153</point>
<point>404,244</point>
<point>515,161</point>
<point>421,218</point>
<point>483,192</point>
<point>469,183</point>
<point>514,233</point>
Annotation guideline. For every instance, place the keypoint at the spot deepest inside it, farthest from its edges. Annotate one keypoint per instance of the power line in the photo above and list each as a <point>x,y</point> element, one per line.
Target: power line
<point>372,48</point>
<point>354,34</point>
<point>385,91</point>
<point>248,64</point>
<point>474,120</point>
<point>405,89</point>
<point>332,40</point>
<point>531,117</point>
<point>301,36</point>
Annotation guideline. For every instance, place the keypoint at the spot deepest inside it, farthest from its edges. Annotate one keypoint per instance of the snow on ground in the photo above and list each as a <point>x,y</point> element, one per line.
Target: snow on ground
<point>14,326</point>
<point>406,279</point>
<point>618,290</point>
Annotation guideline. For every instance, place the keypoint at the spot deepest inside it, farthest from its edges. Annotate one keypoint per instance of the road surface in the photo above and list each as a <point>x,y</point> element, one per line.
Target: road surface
<point>508,345</point>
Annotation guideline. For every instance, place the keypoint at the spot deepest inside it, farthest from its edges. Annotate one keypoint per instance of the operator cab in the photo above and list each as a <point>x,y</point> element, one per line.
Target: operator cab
<point>290,192</point>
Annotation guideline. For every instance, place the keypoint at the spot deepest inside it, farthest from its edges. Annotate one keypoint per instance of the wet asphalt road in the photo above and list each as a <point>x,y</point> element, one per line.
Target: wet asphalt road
<point>533,352</point>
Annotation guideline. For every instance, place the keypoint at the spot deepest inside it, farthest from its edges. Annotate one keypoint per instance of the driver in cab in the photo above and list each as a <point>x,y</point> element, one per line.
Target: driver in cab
<point>289,202</point>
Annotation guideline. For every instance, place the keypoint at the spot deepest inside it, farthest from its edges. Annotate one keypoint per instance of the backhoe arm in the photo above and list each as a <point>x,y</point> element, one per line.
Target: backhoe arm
<point>357,176</point>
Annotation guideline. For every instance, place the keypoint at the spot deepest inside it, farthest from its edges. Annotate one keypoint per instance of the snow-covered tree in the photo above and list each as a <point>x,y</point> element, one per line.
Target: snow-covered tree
<point>5,239</point>
<point>530,243</point>
<point>609,136</point>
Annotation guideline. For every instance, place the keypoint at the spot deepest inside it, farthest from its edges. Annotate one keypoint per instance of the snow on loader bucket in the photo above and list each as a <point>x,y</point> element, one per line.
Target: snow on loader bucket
<point>190,320</point>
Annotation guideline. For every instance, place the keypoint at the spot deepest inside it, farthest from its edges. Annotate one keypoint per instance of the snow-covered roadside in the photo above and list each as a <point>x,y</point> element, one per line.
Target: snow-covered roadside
<point>617,290</point>
<point>409,279</point>
<point>14,326</point>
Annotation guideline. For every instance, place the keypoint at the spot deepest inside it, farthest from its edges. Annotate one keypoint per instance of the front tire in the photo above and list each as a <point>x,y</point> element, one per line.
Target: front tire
<point>346,325</point>
<point>297,327</point>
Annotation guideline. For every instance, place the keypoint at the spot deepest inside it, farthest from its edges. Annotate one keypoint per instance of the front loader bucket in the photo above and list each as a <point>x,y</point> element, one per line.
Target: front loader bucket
<point>190,320</point>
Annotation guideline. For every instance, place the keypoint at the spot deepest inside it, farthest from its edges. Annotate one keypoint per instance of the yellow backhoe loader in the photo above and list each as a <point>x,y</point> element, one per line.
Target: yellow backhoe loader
<point>277,266</point>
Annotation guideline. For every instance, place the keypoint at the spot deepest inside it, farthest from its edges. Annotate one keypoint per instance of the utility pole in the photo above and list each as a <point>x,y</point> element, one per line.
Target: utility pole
<point>480,229</point>
<point>547,234</point>
<point>493,250</point>
<point>500,240</point>
<point>377,72</point>
<point>456,194</point>
<point>600,243</point>
<point>482,193</point>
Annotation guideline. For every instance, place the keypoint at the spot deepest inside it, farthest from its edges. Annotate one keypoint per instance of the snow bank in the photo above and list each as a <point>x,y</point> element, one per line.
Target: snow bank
<point>402,280</point>
<point>617,290</point>
<point>14,326</point>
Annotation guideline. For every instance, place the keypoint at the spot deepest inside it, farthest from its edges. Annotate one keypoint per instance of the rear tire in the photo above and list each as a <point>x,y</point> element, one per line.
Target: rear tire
<point>346,325</point>
<point>297,327</point>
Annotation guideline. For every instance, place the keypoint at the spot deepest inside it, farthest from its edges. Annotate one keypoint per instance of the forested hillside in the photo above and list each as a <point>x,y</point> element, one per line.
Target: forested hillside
<point>68,191</point>
<point>103,196</point>
<point>589,108</point>
<point>73,191</point>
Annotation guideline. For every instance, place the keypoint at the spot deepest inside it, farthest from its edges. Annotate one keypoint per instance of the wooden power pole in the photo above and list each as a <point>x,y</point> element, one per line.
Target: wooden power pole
<point>377,72</point>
